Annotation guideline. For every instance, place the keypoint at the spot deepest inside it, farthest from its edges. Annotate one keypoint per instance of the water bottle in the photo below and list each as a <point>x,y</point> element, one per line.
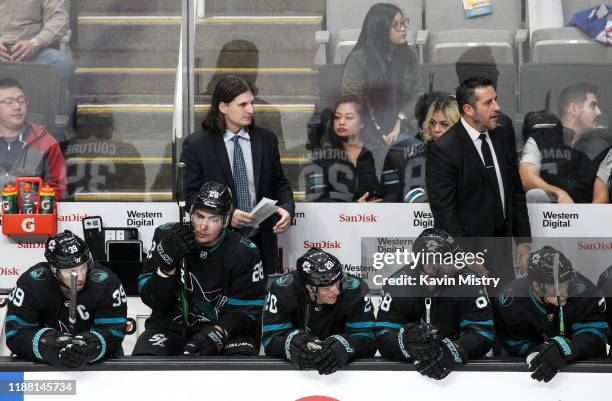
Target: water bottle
<point>9,199</point>
<point>27,199</point>
<point>47,200</point>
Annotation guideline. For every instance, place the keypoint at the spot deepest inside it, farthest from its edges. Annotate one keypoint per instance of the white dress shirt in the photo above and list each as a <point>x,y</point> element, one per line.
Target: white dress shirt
<point>477,143</point>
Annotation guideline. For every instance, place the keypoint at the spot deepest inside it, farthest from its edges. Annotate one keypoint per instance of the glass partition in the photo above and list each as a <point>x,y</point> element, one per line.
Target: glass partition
<point>119,143</point>
<point>354,101</point>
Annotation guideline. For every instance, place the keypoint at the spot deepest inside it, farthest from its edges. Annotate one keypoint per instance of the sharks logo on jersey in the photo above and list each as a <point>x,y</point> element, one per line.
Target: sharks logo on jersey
<point>204,306</point>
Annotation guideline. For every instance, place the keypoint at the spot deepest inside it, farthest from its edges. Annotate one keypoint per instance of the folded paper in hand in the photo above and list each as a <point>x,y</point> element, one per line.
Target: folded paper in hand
<point>264,209</point>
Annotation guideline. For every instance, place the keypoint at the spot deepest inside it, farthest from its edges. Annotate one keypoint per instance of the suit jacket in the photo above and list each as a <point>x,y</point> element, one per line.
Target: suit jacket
<point>461,195</point>
<point>207,160</point>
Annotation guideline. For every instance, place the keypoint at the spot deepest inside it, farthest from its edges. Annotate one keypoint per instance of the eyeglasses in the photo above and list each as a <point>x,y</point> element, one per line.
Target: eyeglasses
<point>398,25</point>
<point>10,100</point>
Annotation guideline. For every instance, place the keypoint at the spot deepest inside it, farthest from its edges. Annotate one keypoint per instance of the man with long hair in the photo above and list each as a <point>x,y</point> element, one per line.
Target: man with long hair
<point>231,150</point>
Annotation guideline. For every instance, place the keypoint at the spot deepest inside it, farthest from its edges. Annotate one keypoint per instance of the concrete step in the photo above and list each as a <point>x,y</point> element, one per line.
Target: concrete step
<point>89,178</point>
<point>161,80</point>
<point>158,182</point>
<point>131,6</point>
<point>132,123</point>
<point>161,34</point>
<point>240,7</point>
<point>96,171</point>
<point>235,54</point>
<point>212,7</point>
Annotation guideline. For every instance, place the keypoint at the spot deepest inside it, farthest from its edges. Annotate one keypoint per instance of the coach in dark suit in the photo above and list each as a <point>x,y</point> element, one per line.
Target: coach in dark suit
<point>473,184</point>
<point>231,150</point>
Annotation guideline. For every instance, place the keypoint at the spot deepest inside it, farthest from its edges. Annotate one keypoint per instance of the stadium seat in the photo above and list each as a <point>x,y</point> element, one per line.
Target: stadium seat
<point>554,42</point>
<point>445,77</point>
<point>344,21</point>
<point>450,33</point>
<point>537,80</point>
<point>330,81</point>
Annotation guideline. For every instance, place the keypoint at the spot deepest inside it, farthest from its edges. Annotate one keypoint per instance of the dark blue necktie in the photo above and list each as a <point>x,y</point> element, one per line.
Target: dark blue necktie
<point>241,182</point>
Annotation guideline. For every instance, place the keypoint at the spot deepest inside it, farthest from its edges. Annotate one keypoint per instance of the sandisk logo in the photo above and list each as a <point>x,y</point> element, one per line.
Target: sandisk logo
<point>358,218</point>
<point>27,225</point>
<point>71,217</point>
<point>9,271</point>
<point>595,246</point>
<point>323,244</point>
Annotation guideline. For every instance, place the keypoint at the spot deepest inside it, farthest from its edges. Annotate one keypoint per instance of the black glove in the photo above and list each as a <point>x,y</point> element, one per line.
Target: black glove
<point>301,347</point>
<point>450,355</point>
<point>83,348</point>
<point>209,341</point>
<point>180,242</point>
<point>420,341</point>
<point>335,353</point>
<point>549,358</point>
<point>50,345</point>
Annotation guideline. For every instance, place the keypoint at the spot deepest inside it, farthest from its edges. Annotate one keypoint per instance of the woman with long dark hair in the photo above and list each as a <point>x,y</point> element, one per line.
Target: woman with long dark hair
<point>384,72</point>
<point>343,169</point>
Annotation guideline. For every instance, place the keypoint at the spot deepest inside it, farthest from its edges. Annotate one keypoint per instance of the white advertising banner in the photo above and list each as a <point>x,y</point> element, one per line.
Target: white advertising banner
<point>22,251</point>
<point>307,386</point>
<point>582,232</point>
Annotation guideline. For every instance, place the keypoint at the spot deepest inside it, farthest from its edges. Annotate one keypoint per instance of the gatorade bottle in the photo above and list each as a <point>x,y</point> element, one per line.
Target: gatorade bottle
<point>47,200</point>
<point>9,199</point>
<point>27,199</point>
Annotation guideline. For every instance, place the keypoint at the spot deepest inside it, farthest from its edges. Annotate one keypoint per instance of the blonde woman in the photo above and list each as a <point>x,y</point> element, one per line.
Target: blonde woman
<point>441,115</point>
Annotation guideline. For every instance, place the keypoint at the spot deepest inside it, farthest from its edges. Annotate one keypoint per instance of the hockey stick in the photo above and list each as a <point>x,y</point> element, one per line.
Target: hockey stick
<point>558,294</point>
<point>72,307</point>
<point>180,198</point>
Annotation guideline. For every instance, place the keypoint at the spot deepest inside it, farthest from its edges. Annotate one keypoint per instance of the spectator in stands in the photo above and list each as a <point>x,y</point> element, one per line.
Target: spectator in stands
<point>25,148</point>
<point>29,29</point>
<point>231,150</point>
<point>343,168</point>
<point>95,162</point>
<point>441,115</point>
<point>555,166</point>
<point>384,72</point>
<point>601,186</point>
<point>422,107</point>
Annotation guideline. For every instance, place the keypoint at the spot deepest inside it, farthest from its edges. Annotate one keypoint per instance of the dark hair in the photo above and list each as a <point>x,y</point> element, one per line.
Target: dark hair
<point>6,83</point>
<point>227,89</point>
<point>332,138</point>
<point>382,86</point>
<point>422,105</point>
<point>574,94</point>
<point>466,92</point>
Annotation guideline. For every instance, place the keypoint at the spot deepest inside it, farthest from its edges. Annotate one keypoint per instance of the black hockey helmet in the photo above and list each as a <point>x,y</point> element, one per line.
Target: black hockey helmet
<point>319,268</point>
<point>541,266</point>
<point>214,198</point>
<point>433,244</point>
<point>66,251</point>
<point>435,240</point>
